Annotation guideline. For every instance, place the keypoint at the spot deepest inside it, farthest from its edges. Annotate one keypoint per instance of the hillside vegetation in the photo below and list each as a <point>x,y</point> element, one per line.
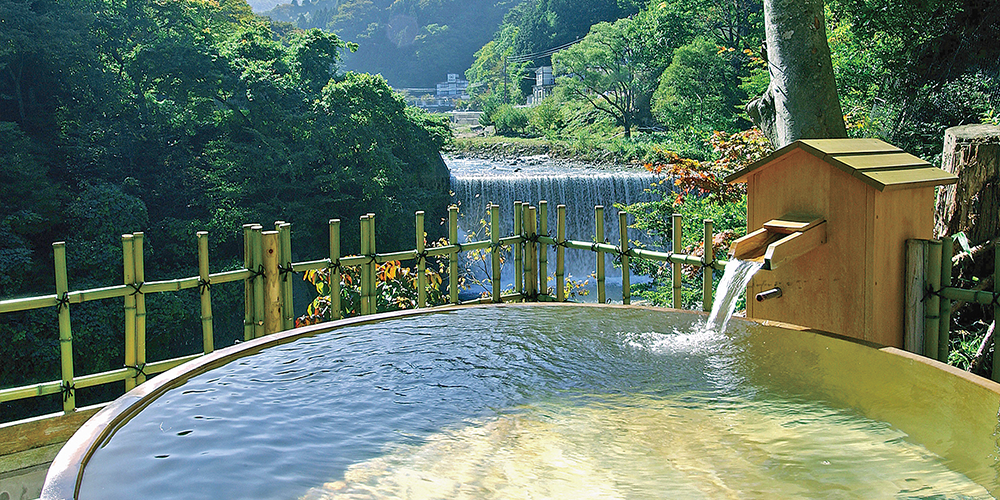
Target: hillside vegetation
<point>171,117</point>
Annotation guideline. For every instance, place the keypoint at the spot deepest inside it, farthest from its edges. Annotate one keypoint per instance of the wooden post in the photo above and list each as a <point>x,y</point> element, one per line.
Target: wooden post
<point>675,273</point>
<point>708,272</point>
<point>518,253</point>
<point>561,253</point>
<point>373,271</point>
<point>530,253</point>
<point>65,328</point>
<point>273,322</point>
<point>334,275</point>
<point>495,252</point>
<point>421,261</point>
<point>453,261</point>
<point>944,323</point>
<point>932,316</point>
<point>128,266</point>
<point>915,287</point>
<point>599,238</point>
<point>366,268</point>
<point>205,289</point>
<point>543,255</point>
<point>248,264</point>
<point>257,249</point>
<point>285,252</point>
<point>140,308</point>
<point>623,248</point>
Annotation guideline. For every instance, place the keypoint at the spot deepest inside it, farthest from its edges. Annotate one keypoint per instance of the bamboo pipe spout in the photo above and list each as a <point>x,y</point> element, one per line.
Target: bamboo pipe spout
<point>780,240</point>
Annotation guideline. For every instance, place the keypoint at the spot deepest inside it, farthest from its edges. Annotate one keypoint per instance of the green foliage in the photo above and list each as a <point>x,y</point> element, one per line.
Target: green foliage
<point>172,117</point>
<point>698,89</point>
<point>509,120</point>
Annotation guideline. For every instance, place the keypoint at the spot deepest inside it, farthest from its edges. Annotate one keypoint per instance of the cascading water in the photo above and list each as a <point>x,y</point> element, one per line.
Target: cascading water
<point>478,183</point>
<point>734,282</point>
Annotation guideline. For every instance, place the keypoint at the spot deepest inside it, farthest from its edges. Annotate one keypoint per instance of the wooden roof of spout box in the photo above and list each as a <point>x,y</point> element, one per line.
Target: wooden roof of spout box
<point>874,162</point>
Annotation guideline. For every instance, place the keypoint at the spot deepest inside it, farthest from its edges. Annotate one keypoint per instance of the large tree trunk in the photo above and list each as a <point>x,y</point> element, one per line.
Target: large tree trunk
<point>972,206</point>
<point>801,102</point>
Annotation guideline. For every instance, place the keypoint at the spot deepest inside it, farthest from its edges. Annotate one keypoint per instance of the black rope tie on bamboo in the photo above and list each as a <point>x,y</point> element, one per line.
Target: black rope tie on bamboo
<point>422,257</point>
<point>259,273</point>
<point>496,247</point>
<point>619,254</point>
<point>372,259</point>
<point>935,293</point>
<point>335,267</point>
<point>534,238</point>
<point>62,302</point>
<point>563,243</point>
<point>996,299</point>
<point>204,285</point>
<point>136,288</point>
<point>67,389</point>
<point>284,271</point>
<point>140,370</point>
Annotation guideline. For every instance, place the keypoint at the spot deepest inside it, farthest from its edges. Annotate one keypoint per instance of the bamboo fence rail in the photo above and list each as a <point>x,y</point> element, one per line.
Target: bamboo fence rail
<point>267,264</point>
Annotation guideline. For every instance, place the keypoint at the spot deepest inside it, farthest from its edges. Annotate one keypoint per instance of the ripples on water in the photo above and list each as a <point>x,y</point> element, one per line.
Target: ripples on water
<point>543,402</point>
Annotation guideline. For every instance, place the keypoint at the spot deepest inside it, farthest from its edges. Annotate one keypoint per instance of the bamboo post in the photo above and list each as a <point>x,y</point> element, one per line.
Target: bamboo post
<point>373,267</point>
<point>248,307</point>
<point>285,253</point>
<point>944,323</point>
<point>421,260</point>
<point>623,234</point>
<point>543,248</point>
<point>495,252</point>
<point>140,308</point>
<point>271,243</point>
<point>257,250</point>
<point>205,289</point>
<point>675,269</point>
<point>933,306</point>
<point>365,303</point>
<point>518,247</point>
<point>530,253</point>
<point>334,275</point>
<point>915,290</point>
<point>599,238</point>
<point>65,328</point>
<point>453,261</point>
<point>128,266</point>
<point>561,253</point>
<point>996,312</point>
<point>707,271</point>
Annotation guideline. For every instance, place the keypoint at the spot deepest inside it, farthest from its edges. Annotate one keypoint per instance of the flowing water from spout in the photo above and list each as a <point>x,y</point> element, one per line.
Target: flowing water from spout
<point>734,282</point>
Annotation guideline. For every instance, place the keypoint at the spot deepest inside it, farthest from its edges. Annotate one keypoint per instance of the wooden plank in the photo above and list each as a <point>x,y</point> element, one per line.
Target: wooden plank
<point>913,321</point>
<point>789,224</point>
<point>41,431</point>
<point>885,180</point>
<point>793,246</point>
<point>751,246</point>
<point>850,146</point>
<point>886,161</point>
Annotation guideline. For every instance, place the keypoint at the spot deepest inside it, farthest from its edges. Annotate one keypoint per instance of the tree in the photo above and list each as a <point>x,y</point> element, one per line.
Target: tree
<point>697,88</point>
<point>615,68</point>
<point>801,101</point>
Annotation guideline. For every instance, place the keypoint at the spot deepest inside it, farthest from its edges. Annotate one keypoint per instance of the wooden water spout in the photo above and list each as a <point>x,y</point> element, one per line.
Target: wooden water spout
<point>780,240</point>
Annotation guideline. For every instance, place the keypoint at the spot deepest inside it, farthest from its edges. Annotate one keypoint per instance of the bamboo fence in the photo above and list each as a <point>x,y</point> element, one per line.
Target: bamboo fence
<point>268,289</point>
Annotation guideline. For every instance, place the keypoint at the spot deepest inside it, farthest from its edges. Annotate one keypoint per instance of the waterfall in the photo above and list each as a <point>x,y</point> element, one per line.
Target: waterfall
<point>478,183</point>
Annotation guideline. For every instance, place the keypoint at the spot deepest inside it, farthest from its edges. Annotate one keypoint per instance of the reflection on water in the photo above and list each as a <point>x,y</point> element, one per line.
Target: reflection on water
<point>513,402</point>
<point>638,447</point>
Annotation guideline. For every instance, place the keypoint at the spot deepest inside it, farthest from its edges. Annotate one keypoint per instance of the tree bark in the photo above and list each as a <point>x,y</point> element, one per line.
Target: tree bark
<point>972,206</point>
<point>801,101</point>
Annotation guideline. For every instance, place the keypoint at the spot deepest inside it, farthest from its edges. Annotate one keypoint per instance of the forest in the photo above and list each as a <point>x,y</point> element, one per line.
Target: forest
<point>172,117</point>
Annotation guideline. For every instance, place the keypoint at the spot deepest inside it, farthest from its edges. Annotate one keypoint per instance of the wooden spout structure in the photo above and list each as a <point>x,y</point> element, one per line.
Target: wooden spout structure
<point>841,266</point>
<point>780,240</point>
